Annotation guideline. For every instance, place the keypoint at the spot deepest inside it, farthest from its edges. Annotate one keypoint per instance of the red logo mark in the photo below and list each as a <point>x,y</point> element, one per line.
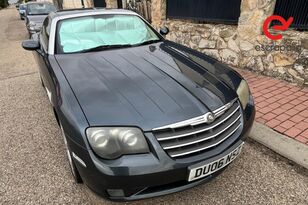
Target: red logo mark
<point>284,26</point>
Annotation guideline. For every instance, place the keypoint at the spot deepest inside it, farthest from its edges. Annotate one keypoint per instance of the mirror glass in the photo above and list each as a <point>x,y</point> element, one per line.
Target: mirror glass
<point>164,30</point>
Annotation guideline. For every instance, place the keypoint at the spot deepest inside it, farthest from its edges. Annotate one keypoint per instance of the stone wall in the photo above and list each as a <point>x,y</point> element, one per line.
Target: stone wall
<point>242,46</point>
<point>111,4</point>
<point>71,4</point>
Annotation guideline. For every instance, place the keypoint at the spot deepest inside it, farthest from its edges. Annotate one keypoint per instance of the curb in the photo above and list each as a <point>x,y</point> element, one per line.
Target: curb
<point>281,144</point>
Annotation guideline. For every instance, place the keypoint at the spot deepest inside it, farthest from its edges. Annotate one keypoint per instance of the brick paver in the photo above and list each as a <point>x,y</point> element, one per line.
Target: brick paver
<point>280,105</point>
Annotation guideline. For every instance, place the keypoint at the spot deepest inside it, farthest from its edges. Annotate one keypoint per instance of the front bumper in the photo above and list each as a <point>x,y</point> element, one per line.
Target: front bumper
<point>149,175</point>
<point>167,182</point>
<point>34,30</point>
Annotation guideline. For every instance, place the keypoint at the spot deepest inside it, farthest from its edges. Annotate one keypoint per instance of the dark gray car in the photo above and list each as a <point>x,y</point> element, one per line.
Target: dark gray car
<point>22,11</point>
<point>141,116</point>
<point>36,12</point>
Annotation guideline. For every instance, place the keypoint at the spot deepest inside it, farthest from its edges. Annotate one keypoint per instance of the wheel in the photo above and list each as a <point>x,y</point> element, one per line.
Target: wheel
<point>75,173</point>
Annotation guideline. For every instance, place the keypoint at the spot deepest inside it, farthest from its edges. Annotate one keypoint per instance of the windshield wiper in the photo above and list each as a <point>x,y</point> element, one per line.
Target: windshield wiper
<point>104,47</point>
<point>148,42</point>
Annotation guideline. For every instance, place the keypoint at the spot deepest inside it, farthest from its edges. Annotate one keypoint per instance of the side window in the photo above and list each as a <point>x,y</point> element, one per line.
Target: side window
<point>44,35</point>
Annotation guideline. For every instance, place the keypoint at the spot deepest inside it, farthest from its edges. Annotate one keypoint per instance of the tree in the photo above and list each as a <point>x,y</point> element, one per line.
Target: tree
<point>4,3</point>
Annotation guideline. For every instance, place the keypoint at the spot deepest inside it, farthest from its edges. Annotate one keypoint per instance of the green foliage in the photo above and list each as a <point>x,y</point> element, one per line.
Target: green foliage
<point>3,3</point>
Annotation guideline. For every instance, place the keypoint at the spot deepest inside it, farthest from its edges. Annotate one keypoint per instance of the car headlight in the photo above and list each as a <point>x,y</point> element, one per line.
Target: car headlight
<point>113,142</point>
<point>243,93</point>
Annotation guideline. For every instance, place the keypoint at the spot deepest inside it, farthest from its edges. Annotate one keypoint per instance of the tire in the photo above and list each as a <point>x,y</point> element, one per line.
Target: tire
<point>74,171</point>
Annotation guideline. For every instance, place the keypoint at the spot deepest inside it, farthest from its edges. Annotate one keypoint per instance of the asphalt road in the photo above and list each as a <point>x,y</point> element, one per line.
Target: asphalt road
<point>33,166</point>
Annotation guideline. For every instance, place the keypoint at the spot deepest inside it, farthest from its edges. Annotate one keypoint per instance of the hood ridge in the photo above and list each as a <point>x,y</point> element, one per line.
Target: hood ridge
<point>145,86</point>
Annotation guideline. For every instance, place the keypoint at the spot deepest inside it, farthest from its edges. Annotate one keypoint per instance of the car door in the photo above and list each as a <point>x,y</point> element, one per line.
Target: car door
<point>42,58</point>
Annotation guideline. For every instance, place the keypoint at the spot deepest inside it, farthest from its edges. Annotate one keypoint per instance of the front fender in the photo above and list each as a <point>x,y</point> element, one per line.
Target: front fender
<point>66,106</point>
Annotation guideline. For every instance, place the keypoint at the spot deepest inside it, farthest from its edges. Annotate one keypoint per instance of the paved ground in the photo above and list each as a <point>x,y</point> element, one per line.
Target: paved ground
<point>34,170</point>
<point>280,105</point>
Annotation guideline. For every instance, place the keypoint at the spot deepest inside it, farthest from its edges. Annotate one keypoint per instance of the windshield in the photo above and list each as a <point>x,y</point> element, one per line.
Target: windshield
<point>40,9</point>
<point>22,7</point>
<point>102,31</point>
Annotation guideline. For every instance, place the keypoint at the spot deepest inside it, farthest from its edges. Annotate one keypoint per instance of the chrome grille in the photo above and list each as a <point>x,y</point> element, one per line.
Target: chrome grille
<point>196,135</point>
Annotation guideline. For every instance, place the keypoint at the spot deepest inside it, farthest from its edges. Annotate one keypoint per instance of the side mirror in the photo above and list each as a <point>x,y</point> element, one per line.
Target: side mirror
<point>164,30</point>
<point>31,44</point>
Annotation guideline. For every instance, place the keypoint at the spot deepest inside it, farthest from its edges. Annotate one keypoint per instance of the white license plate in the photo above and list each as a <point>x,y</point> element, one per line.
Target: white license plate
<point>207,169</point>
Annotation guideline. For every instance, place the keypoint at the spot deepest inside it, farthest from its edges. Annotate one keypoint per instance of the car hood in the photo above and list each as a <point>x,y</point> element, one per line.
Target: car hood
<point>38,19</point>
<point>147,86</point>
